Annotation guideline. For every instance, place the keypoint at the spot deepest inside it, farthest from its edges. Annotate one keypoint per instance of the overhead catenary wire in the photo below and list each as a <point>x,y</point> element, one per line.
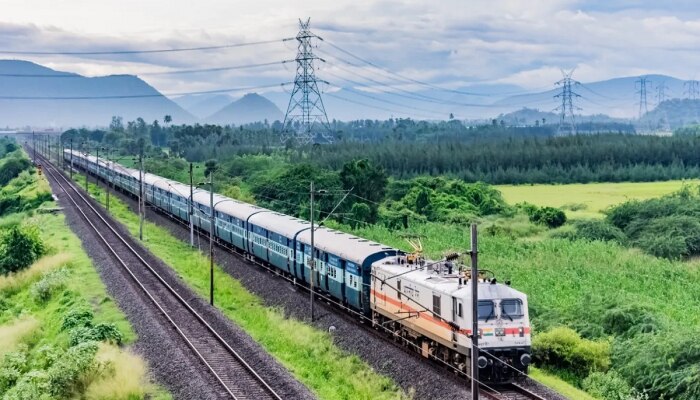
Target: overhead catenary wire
<point>149,95</point>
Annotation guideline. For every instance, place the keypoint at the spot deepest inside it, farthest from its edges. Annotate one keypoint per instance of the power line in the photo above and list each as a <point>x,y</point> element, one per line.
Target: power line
<point>430,85</point>
<point>692,89</point>
<point>173,72</point>
<point>138,96</point>
<point>172,50</point>
<point>374,107</point>
<point>661,93</point>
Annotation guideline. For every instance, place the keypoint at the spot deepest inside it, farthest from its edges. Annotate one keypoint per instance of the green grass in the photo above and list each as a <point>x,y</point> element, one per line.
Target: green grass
<point>83,288</point>
<point>559,385</point>
<point>307,352</point>
<point>595,196</point>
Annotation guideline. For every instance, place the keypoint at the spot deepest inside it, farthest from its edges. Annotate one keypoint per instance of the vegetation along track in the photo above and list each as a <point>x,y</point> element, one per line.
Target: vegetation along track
<point>237,378</point>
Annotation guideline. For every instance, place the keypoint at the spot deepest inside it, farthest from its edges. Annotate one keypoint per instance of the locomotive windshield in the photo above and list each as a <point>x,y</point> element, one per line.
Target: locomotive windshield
<point>511,308</point>
<point>486,309</point>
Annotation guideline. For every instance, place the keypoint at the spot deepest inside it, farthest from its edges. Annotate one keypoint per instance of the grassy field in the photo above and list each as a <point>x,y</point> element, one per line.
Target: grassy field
<point>595,197</point>
<point>33,328</point>
<point>307,352</point>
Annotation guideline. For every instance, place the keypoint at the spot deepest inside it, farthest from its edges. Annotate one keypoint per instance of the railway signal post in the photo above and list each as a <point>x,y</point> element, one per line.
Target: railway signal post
<point>475,316</point>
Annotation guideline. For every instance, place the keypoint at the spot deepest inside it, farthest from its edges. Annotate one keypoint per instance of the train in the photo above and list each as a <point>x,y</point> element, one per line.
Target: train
<point>425,304</point>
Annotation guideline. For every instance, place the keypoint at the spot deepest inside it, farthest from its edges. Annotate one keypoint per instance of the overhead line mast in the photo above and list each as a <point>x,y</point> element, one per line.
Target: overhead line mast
<point>567,117</point>
<point>306,119</point>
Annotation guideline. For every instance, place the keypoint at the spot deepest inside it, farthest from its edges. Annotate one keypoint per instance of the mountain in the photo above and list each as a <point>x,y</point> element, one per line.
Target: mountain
<point>40,96</point>
<point>616,97</point>
<point>671,115</point>
<point>250,108</point>
<point>203,105</point>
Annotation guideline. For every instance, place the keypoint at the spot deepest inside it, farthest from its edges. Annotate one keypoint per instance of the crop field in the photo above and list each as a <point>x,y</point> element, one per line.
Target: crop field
<point>587,200</point>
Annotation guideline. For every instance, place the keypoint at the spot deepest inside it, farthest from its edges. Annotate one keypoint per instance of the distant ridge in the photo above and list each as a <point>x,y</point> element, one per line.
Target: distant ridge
<point>46,82</point>
<point>250,108</point>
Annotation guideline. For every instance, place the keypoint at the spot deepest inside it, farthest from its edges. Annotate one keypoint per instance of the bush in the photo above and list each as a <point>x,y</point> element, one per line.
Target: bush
<point>98,333</point>
<point>49,284</point>
<point>19,248</point>
<point>563,348</point>
<point>77,318</point>
<point>664,366</point>
<point>33,385</point>
<point>672,237</point>
<point>74,372</point>
<point>14,364</point>
<point>11,168</point>
<point>607,386</point>
<point>549,216</point>
<point>595,229</point>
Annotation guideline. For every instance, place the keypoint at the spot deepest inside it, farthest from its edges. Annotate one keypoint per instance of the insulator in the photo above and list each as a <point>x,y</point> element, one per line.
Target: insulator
<point>451,256</point>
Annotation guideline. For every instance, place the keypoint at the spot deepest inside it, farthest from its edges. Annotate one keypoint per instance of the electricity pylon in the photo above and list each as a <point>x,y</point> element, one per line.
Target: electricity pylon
<point>567,117</point>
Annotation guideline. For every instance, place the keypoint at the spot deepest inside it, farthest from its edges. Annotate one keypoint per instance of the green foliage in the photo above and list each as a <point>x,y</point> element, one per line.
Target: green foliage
<point>49,284</point>
<point>607,386</point>
<point>595,229</point>
<point>548,216</point>
<point>72,373</point>
<point>14,364</point>
<point>666,227</point>
<point>77,317</point>
<point>98,333</point>
<point>665,366</point>
<point>367,182</point>
<point>19,248</point>
<point>11,168</point>
<point>563,348</point>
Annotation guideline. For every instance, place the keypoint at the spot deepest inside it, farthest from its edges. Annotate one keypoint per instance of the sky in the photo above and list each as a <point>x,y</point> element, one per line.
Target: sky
<point>452,43</point>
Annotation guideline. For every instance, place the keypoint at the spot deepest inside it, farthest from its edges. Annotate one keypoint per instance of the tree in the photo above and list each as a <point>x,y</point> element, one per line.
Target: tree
<point>167,119</point>
<point>117,124</point>
<point>367,181</point>
<point>19,248</point>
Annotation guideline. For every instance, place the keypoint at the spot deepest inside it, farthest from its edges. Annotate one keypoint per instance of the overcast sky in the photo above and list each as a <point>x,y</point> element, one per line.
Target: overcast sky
<point>453,43</point>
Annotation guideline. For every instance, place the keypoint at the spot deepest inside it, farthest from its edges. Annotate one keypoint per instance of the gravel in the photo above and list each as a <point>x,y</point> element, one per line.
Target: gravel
<point>171,362</point>
<point>409,371</point>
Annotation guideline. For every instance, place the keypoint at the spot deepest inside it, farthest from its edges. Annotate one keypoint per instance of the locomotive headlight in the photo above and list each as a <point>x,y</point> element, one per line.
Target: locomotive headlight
<point>521,331</point>
<point>525,359</point>
<point>482,362</point>
<point>500,332</point>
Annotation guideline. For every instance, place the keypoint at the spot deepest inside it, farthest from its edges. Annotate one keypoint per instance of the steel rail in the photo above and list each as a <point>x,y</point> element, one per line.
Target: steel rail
<point>189,308</point>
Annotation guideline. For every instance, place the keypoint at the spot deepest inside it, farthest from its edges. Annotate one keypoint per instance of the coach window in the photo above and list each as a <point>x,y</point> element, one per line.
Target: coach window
<point>436,305</point>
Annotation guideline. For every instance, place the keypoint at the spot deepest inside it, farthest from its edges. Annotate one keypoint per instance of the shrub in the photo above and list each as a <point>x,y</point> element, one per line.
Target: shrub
<point>563,348</point>
<point>607,386</point>
<point>19,248</point>
<point>12,168</point>
<point>73,373</point>
<point>49,284</point>
<point>672,237</point>
<point>599,230</point>
<point>664,366</point>
<point>76,318</point>
<point>34,385</point>
<point>98,333</point>
<point>549,216</point>
<point>14,364</point>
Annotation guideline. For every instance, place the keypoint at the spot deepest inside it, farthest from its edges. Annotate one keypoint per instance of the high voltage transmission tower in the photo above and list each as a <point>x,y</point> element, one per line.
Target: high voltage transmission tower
<point>306,120</point>
<point>642,83</point>
<point>567,117</point>
<point>692,89</point>
<point>661,93</point>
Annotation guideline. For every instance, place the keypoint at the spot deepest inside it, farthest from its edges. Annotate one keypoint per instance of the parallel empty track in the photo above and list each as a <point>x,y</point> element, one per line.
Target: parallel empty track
<point>511,391</point>
<point>237,378</point>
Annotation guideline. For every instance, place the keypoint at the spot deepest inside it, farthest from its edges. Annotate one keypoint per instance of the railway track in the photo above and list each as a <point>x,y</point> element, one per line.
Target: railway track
<point>238,380</point>
<point>511,391</point>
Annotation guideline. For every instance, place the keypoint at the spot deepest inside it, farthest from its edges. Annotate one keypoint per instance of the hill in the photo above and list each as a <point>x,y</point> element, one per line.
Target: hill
<point>205,105</point>
<point>250,108</point>
<point>33,95</point>
<point>672,114</point>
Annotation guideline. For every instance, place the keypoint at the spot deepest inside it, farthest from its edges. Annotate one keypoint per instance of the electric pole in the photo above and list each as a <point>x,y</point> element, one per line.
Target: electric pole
<point>475,316</point>
<point>191,209</point>
<point>312,262</point>
<point>211,237</point>
<point>567,116</point>
<point>71,158</point>
<point>34,146</point>
<point>642,83</point>
<point>306,119</point>
<point>141,203</point>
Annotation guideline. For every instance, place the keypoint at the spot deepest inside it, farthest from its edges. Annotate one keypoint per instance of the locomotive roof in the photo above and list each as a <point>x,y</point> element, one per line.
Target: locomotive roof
<point>447,284</point>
